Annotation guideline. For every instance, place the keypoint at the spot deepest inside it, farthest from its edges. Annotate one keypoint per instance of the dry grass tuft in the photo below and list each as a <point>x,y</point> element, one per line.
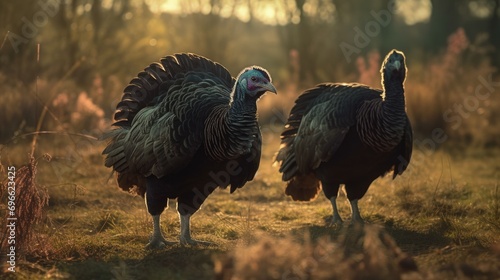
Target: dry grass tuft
<point>30,200</point>
<point>359,253</point>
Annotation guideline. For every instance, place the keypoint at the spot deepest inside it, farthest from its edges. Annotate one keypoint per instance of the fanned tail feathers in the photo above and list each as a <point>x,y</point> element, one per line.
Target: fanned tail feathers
<point>288,163</point>
<point>150,85</point>
<point>116,158</point>
<point>286,155</point>
<point>132,183</point>
<point>303,187</point>
<point>115,151</point>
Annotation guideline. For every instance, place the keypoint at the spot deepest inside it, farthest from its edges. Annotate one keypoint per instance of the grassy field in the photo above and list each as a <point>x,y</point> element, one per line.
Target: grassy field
<point>442,216</point>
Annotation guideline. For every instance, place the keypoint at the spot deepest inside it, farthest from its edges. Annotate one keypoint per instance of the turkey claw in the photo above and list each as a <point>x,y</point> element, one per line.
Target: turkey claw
<point>334,222</point>
<point>158,243</point>
<point>189,241</point>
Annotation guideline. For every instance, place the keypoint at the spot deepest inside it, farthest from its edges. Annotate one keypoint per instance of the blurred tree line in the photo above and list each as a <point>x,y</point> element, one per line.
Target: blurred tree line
<point>301,42</point>
<point>82,38</point>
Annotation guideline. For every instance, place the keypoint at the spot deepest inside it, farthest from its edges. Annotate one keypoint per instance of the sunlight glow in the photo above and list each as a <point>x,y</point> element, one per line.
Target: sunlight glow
<point>481,8</point>
<point>242,13</point>
<point>285,11</point>
<point>268,13</point>
<point>414,11</point>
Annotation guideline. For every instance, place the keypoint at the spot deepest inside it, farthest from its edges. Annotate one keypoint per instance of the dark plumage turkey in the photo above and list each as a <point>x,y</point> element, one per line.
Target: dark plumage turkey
<point>184,127</point>
<point>347,134</point>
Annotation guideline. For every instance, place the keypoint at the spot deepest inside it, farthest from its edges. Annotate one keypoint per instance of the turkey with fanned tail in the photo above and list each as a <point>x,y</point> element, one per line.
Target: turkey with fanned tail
<point>347,134</point>
<point>183,128</point>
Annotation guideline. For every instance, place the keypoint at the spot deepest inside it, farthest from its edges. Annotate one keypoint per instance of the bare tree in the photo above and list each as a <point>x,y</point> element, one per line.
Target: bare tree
<point>19,37</point>
<point>298,38</point>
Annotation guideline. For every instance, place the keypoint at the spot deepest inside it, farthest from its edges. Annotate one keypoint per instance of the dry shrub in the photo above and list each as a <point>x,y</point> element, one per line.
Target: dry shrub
<point>359,253</point>
<point>446,86</point>
<point>86,115</point>
<point>75,110</point>
<point>369,69</point>
<point>30,200</point>
<point>70,108</point>
<point>438,84</point>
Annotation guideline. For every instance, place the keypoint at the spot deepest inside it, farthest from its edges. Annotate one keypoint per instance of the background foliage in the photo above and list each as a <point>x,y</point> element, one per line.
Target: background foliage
<point>90,49</point>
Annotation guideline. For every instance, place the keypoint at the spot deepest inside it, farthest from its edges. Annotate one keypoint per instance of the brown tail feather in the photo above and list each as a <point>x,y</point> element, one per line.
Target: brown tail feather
<point>303,187</point>
<point>132,183</point>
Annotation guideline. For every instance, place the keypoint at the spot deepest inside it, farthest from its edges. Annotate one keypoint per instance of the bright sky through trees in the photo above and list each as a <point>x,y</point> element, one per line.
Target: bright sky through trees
<point>280,12</point>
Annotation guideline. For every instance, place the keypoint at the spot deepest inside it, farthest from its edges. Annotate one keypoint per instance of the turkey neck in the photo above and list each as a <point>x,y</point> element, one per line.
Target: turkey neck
<point>382,122</point>
<point>393,106</point>
<point>230,130</point>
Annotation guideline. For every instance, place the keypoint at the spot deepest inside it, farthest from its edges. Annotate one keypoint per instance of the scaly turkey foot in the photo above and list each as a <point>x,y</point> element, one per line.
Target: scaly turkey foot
<point>190,241</point>
<point>185,237</point>
<point>356,217</point>
<point>335,221</point>
<point>357,221</point>
<point>158,242</point>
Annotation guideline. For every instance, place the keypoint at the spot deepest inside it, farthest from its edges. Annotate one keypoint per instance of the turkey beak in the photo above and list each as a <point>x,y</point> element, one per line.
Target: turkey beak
<point>270,87</point>
<point>397,65</point>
